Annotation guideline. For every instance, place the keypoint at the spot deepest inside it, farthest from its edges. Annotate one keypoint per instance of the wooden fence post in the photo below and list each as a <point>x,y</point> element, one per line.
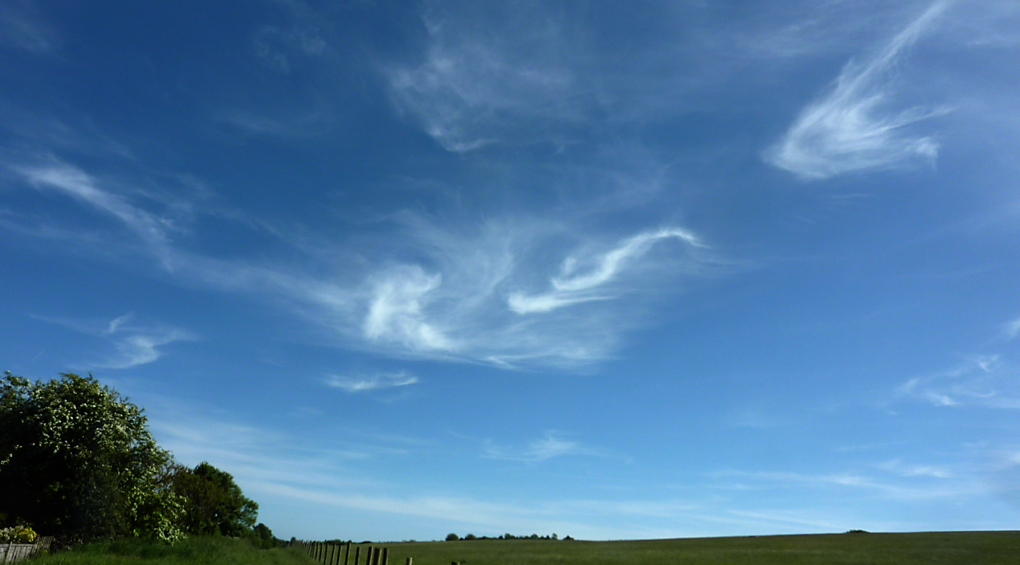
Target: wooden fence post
<point>410,561</point>
<point>385,556</point>
<point>357,554</point>
<point>347,554</point>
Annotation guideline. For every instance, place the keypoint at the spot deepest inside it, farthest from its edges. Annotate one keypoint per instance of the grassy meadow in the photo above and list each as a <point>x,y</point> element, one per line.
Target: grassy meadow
<point>963,548</point>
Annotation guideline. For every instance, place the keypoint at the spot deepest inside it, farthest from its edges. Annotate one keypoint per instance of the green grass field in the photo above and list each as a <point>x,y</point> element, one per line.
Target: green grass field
<point>964,548</point>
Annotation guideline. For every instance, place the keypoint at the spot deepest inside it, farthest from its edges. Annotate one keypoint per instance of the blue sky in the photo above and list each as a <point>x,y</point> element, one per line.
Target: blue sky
<point>606,270</point>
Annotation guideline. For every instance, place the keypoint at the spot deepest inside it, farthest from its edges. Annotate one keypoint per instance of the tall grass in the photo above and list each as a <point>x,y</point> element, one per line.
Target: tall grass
<point>192,551</point>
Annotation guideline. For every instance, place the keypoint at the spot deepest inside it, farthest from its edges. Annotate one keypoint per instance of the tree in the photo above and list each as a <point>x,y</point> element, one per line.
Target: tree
<point>452,537</point>
<point>264,536</point>
<point>77,458</point>
<point>213,503</point>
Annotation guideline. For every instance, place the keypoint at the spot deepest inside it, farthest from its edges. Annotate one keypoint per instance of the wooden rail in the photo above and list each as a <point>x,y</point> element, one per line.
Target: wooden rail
<point>340,554</point>
<point>13,552</point>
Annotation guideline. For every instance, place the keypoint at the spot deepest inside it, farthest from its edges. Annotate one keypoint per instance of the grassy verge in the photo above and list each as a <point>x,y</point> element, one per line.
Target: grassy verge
<point>192,551</point>
<point>949,548</point>
<point>963,548</point>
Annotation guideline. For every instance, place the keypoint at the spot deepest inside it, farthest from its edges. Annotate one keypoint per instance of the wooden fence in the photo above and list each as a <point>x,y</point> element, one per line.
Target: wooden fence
<point>340,554</point>
<point>13,552</point>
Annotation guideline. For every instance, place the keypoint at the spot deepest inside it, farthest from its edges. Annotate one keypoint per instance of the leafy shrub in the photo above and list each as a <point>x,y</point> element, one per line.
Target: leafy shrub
<point>76,458</point>
<point>17,534</point>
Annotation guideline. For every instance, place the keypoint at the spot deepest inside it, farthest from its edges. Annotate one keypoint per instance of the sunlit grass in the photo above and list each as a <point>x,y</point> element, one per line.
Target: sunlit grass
<point>964,548</point>
<point>194,550</point>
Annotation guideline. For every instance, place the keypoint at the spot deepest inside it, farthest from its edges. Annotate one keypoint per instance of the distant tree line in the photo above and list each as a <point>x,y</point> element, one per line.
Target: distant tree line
<point>77,461</point>
<point>470,537</point>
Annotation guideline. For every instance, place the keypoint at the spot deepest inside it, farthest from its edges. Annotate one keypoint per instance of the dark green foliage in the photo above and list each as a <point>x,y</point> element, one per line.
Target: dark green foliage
<point>472,537</point>
<point>77,458</point>
<point>263,537</point>
<point>213,503</point>
<point>194,550</point>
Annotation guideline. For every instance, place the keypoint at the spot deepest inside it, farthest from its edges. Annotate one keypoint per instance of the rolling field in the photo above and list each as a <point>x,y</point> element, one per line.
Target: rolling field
<point>963,548</point>
<point>940,548</point>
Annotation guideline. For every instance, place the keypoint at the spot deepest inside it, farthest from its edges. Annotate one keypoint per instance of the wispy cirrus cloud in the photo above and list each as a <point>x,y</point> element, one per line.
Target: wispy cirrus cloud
<point>901,486</point>
<point>485,73</point>
<point>912,470</point>
<point>134,344</point>
<point>396,310</point>
<point>585,278</point>
<point>49,173</point>
<point>856,127</point>
<point>547,447</point>
<point>981,380</point>
<point>1012,329</point>
<point>460,291</point>
<point>364,383</point>
<point>466,296</point>
<point>274,46</point>
<point>22,26</point>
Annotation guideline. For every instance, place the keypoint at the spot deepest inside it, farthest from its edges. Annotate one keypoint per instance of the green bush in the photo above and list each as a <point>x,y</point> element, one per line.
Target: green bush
<point>17,534</point>
<point>76,458</point>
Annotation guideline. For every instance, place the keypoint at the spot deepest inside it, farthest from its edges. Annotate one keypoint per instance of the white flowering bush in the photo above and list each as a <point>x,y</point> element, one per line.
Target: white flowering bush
<point>76,458</point>
<point>17,534</point>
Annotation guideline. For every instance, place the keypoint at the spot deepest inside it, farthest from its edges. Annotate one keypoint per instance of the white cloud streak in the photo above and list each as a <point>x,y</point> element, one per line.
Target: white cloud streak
<point>365,383</point>
<point>918,486</point>
<point>455,293</point>
<point>1012,329</point>
<point>853,128</point>
<point>542,449</point>
<point>983,380</point>
<point>907,470</point>
<point>572,286</point>
<point>56,175</point>
<point>395,311</point>
<point>484,75</point>
<point>133,344</point>
<point>139,349</point>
